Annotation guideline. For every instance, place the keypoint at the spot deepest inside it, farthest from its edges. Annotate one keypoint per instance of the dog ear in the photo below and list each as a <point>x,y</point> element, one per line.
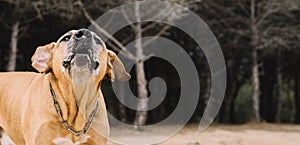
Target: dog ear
<point>41,58</point>
<point>115,68</point>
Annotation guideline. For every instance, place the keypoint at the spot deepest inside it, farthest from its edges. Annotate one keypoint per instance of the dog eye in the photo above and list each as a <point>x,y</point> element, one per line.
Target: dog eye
<point>66,38</point>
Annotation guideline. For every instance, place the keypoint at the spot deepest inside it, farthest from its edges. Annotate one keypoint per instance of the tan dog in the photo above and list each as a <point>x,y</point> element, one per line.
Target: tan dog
<point>58,105</point>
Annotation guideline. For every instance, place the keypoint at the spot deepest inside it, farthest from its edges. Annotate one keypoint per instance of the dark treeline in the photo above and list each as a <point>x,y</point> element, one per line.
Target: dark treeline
<point>259,39</point>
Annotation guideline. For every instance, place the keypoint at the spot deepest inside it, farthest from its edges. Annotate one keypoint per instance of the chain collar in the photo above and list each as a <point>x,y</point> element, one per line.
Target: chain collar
<point>65,122</point>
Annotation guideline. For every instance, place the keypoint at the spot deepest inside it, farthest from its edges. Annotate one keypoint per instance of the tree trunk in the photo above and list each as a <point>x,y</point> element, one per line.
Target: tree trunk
<point>255,87</point>
<point>122,108</point>
<point>207,86</point>
<point>228,111</point>
<point>142,105</point>
<point>227,114</point>
<point>141,116</point>
<point>255,73</point>
<point>227,104</point>
<point>279,89</point>
<point>11,66</point>
<point>268,90</point>
<point>297,97</point>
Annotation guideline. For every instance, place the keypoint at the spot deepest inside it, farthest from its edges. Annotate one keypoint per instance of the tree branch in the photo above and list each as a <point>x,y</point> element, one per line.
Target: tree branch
<point>161,32</point>
<point>5,24</point>
<point>113,39</point>
<point>127,18</point>
<point>149,26</point>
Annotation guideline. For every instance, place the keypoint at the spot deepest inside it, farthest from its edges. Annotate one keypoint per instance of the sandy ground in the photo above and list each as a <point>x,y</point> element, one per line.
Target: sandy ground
<point>249,134</point>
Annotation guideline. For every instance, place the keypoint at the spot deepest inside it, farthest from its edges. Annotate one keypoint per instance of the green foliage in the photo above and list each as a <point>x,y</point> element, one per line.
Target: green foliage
<point>242,109</point>
<point>288,107</point>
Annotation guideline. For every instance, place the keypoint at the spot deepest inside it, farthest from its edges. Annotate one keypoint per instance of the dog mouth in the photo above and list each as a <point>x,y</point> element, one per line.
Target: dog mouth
<point>82,51</point>
<point>80,61</point>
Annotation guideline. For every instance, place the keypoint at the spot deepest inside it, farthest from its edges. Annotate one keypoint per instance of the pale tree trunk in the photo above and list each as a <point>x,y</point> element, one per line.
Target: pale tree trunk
<point>278,89</point>
<point>255,73</point>
<point>11,66</point>
<point>141,116</point>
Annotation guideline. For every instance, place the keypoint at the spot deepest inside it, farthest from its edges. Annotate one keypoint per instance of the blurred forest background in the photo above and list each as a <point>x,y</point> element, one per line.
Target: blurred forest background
<point>259,39</point>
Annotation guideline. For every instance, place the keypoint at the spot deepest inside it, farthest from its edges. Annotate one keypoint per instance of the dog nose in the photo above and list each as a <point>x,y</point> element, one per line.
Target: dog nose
<point>82,33</point>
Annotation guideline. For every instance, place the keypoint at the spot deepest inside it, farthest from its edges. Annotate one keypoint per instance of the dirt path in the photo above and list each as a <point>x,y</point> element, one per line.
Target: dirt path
<point>250,134</point>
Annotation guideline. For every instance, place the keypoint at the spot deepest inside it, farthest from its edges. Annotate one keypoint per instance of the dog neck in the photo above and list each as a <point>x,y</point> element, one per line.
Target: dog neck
<point>78,97</point>
<point>85,93</point>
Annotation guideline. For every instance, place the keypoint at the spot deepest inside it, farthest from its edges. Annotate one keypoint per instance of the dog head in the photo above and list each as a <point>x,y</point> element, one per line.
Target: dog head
<point>81,54</point>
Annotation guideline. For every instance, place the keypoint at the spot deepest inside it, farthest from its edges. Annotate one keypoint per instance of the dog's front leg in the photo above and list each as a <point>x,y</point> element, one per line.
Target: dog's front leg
<point>44,133</point>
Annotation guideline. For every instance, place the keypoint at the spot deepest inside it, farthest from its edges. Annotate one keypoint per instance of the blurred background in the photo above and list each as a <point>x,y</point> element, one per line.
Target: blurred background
<point>259,40</point>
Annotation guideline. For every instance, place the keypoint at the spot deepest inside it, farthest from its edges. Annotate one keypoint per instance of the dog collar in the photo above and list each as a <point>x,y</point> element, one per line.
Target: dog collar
<point>65,122</point>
